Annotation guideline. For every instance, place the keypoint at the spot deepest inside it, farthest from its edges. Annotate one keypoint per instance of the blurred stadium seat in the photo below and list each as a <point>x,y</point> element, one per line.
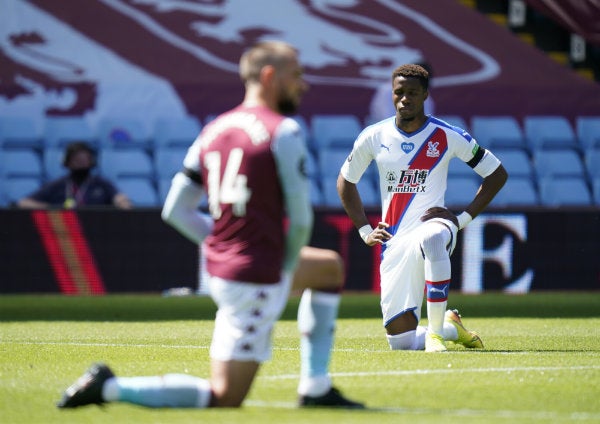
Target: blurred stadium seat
<point>588,131</point>
<point>125,163</point>
<point>592,162</point>
<point>498,132</point>
<point>455,121</point>
<point>176,131</point>
<point>312,166</point>
<point>141,191</point>
<point>329,190</point>
<point>62,130</point>
<point>368,193</point>
<point>518,191</point>
<point>20,163</point>
<point>331,160</point>
<point>596,190</point>
<point>334,131</point>
<point>21,132</point>
<point>53,162</point>
<point>168,161</point>
<point>549,132</point>
<point>516,162</point>
<point>563,162</point>
<point>457,168</point>
<point>123,132</point>
<point>564,191</point>
<point>15,188</point>
<point>460,191</point>
<point>316,196</point>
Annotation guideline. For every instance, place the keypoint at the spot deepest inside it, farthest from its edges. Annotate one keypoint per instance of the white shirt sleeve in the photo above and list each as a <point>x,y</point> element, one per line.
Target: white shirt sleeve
<point>181,204</point>
<point>289,150</point>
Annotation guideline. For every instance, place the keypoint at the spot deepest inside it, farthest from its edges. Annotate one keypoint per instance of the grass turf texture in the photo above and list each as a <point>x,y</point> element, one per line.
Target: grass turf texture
<point>541,362</point>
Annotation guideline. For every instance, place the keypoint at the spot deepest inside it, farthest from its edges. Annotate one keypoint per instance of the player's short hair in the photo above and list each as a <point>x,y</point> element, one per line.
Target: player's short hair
<point>412,70</point>
<point>275,53</point>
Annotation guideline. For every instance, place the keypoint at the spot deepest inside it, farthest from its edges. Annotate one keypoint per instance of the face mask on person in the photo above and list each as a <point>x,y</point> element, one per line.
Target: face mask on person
<point>80,175</point>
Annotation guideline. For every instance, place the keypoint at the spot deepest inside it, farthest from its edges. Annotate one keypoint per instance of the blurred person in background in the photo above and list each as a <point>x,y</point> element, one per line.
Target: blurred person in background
<point>80,187</point>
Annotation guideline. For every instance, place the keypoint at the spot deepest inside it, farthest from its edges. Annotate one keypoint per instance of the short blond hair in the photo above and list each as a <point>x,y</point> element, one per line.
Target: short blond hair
<point>275,53</point>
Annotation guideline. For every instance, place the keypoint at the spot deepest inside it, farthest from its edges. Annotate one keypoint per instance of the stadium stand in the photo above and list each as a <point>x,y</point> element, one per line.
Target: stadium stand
<point>123,133</point>
<point>176,131</point>
<point>518,191</point>
<point>20,132</point>
<point>121,164</point>
<point>564,191</point>
<point>20,163</point>
<point>140,190</point>
<point>516,161</point>
<point>457,168</point>
<point>498,132</point>
<point>15,188</point>
<point>461,191</point>
<point>62,130</point>
<point>558,163</point>
<point>52,160</point>
<point>168,161</point>
<point>596,190</point>
<point>454,120</point>
<point>549,132</point>
<point>588,132</point>
<point>329,131</point>
<point>316,195</point>
<point>592,163</point>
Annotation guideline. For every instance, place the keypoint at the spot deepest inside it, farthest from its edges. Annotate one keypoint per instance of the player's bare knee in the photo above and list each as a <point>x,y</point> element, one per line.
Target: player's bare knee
<point>334,269</point>
<point>339,273</point>
<point>401,324</point>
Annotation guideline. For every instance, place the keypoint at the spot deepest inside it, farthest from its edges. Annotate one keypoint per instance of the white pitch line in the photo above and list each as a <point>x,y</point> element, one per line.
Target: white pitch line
<point>463,412</point>
<point>441,371</point>
<point>508,414</point>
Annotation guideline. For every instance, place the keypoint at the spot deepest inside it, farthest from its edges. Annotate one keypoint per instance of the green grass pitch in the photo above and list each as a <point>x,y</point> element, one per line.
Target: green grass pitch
<point>541,362</point>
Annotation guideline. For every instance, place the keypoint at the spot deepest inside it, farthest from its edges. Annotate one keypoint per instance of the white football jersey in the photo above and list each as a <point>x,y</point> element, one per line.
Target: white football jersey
<point>413,168</point>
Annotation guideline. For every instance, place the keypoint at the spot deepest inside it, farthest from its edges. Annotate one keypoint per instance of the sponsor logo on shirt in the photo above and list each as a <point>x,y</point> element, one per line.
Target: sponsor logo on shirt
<point>408,181</point>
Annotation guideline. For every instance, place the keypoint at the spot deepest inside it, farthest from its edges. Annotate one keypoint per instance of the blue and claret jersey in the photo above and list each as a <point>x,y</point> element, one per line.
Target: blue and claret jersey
<point>235,157</point>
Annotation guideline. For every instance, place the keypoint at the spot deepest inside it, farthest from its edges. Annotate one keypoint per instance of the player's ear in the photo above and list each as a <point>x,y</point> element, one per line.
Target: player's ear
<point>267,74</point>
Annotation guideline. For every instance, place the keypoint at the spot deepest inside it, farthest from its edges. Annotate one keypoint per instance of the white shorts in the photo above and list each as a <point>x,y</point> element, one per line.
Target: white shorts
<point>245,318</point>
<point>402,270</point>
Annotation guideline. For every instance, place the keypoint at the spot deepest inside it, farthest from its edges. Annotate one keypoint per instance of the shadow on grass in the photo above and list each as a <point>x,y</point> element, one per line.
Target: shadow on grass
<point>151,307</point>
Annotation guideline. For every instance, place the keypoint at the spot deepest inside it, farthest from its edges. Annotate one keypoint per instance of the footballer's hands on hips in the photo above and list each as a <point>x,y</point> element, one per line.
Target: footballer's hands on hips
<point>439,212</point>
<point>379,235</point>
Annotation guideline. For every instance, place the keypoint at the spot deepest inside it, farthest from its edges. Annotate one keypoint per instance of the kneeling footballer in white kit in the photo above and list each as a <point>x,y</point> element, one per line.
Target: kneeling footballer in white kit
<point>417,233</point>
